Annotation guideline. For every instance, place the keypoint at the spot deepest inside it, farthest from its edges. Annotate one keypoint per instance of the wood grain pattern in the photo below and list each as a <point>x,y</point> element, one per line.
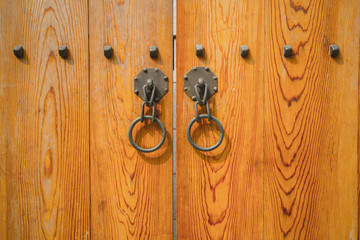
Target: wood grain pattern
<point>219,194</point>
<point>311,121</point>
<point>131,192</point>
<point>44,126</point>
<point>288,168</point>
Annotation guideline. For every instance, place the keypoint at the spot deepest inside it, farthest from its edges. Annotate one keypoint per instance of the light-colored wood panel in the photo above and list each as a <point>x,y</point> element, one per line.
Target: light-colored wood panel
<point>131,192</point>
<point>311,121</point>
<point>219,193</point>
<point>44,125</point>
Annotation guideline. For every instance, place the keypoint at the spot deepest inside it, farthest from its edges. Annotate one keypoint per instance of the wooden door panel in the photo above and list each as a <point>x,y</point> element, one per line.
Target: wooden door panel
<point>311,121</point>
<point>44,124</point>
<point>131,192</point>
<point>288,167</point>
<point>219,193</point>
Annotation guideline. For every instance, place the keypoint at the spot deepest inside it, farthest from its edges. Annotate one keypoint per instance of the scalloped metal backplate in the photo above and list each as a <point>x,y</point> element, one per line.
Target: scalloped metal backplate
<point>160,81</point>
<point>191,78</point>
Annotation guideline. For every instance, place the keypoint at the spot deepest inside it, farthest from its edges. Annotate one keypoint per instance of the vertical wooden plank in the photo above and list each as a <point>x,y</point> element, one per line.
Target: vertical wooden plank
<point>219,193</point>
<point>131,192</point>
<point>44,126</point>
<point>311,120</point>
<point>358,137</point>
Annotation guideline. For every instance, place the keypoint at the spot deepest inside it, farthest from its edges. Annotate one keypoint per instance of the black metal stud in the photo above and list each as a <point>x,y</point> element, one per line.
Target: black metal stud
<point>154,52</point>
<point>19,51</point>
<point>199,50</point>
<point>288,51</point>
<point>334,50</point>
<point>64,51</point>
<point>108,51</point>
<point>244,51</point>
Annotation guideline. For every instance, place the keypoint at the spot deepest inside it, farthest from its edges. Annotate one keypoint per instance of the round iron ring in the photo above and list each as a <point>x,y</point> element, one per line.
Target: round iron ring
<point>147,150</point>
<point>205,149</point>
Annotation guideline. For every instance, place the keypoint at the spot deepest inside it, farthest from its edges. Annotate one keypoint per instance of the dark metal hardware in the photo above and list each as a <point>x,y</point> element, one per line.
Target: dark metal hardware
<point>244,51</point>
<point>19,51</point>
<point>154,52</point>
<point>204,149</point>
<point>151,76</point>
<point>194,84</point>
<point>64,51</point>
<point>334,50</point>
<point>200,83</point>
<point>108,51</point>
<point>288,51</point>
<point>141,119</point>
<point>151,85</point>
<point>200,50</point>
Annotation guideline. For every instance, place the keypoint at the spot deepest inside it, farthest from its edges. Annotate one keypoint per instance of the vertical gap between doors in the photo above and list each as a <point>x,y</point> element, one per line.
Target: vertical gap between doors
<point>174,119</point>
<point>89,133</point>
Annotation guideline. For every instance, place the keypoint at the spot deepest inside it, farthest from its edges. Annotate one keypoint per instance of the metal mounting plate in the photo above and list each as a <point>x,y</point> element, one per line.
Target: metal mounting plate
<point>191,78</point>
<point>160,81</point>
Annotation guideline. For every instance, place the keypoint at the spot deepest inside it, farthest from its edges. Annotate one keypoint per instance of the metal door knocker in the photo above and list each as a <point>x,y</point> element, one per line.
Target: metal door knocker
<point>150,85</point>
<point>200,83</point>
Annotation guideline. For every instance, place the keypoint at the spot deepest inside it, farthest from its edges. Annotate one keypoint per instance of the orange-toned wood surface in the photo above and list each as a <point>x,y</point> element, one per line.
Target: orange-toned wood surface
<point>44,123</point>
<point>131,192</point>
<point>311,121</point>
<point>288,167</point>
<point>220,193</point>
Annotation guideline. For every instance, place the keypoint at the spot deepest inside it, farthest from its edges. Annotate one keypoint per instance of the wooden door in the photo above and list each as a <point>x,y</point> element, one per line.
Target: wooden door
<point>61,117</point>
<point>44,124</point>
<point>288,165</point>
<point>131,192</point>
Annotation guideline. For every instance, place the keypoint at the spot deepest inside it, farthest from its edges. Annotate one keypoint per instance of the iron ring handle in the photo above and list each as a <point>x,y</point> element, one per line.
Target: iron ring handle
<point>147,150</point>
<point>205,149</point>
